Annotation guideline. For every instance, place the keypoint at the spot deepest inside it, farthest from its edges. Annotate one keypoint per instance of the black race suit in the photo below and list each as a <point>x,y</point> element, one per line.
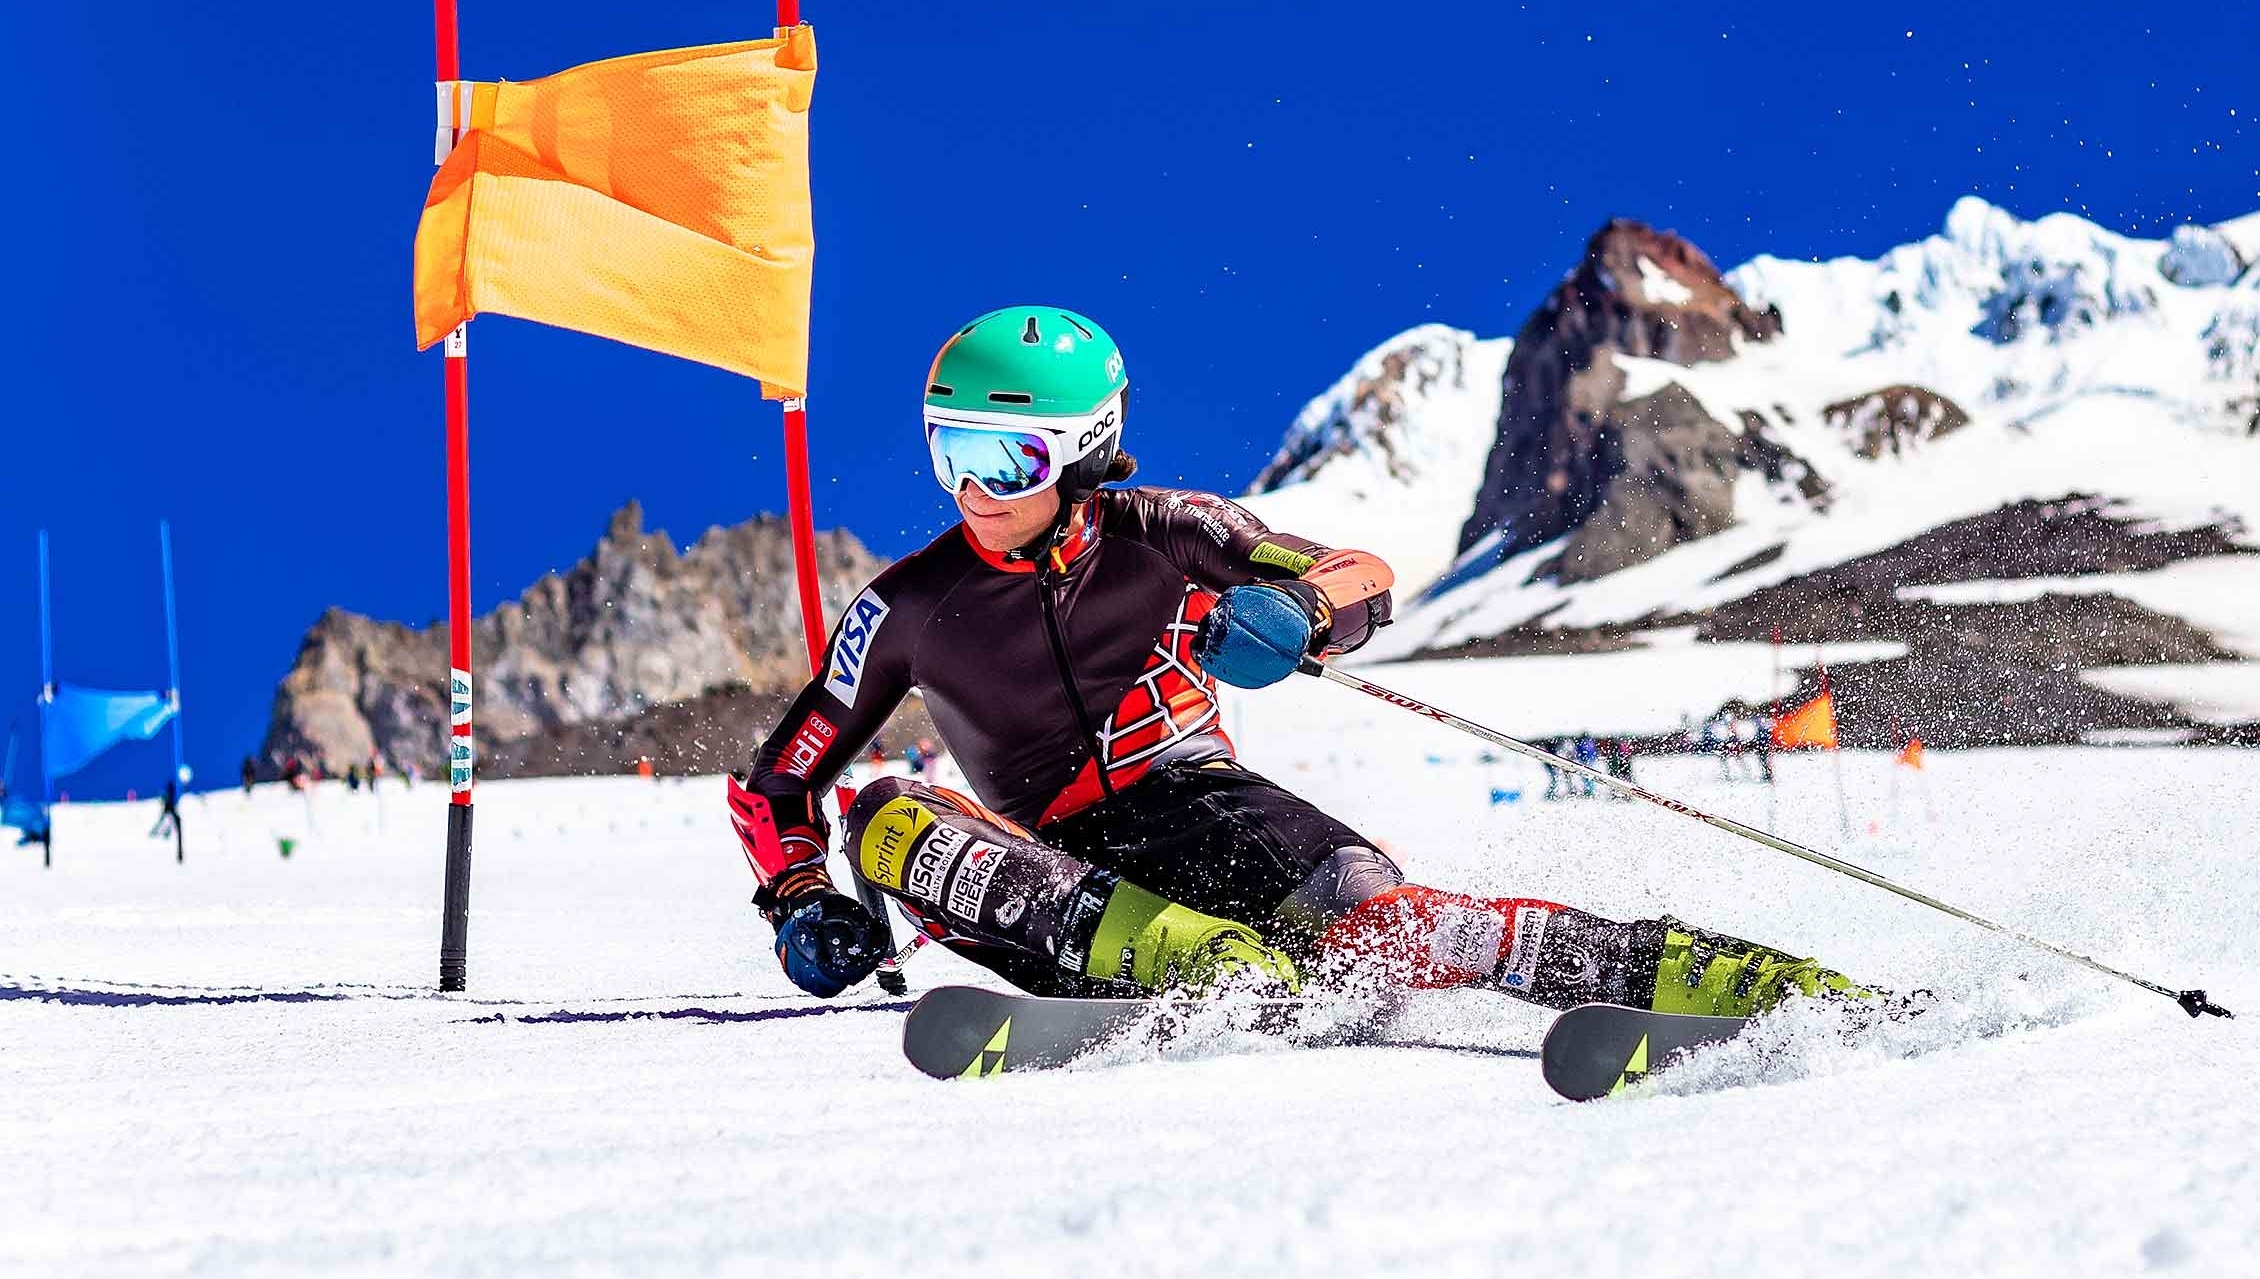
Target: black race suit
<point>967,628</point>
<point>1014,879</point>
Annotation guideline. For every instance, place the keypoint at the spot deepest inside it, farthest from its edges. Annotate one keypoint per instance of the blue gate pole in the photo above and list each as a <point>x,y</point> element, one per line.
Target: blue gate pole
<point>172,654</point>
<point>46,695</point>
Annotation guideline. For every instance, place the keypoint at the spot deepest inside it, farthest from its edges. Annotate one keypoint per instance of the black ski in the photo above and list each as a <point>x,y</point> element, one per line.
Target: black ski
<point>1595,1050</point>
<point>965,1032</point>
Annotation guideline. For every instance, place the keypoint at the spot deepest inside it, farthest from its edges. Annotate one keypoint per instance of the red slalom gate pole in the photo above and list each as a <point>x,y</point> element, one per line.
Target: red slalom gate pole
<point>455,910</point>
<point>800,505</point>
<point>801,512</point>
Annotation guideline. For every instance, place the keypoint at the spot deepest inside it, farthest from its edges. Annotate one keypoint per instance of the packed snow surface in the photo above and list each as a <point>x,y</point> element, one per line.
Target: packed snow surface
<point>238,1065</point>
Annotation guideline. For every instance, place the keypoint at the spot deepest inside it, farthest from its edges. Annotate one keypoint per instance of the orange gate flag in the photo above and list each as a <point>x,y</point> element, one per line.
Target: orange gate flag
<point>1813,724</point>
<point>659,199</point>
<point>1912,753</point>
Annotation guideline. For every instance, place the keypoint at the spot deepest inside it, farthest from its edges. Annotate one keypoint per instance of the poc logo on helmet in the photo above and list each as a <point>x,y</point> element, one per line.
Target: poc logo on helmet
<point>1095,431</point>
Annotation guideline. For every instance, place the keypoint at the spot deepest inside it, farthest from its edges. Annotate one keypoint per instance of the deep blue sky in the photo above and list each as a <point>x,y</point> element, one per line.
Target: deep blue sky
<point>210,210</point>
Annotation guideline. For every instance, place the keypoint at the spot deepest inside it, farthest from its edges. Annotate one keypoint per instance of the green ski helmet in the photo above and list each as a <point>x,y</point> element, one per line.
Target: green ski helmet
<point>1023,399</point>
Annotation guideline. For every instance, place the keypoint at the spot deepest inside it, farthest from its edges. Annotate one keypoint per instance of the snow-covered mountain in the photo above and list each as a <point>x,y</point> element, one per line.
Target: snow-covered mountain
<point>1798,445</point>
<point>1390,450</point>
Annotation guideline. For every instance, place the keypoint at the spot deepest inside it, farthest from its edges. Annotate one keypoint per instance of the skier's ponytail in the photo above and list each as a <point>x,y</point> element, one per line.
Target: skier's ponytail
<point>1122,467</point>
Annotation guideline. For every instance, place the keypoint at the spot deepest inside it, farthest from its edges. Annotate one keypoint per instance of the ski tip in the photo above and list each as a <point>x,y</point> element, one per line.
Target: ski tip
<point>2195,1004</point>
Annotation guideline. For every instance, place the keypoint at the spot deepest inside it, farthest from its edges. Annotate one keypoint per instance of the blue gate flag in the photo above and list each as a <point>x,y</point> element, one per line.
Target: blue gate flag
<point>25,814</point>
<point>81,723</point>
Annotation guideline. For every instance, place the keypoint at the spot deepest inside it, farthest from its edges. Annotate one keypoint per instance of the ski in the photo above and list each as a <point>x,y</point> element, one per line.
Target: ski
<point>1596,1050</point>
<point>967,1032</point>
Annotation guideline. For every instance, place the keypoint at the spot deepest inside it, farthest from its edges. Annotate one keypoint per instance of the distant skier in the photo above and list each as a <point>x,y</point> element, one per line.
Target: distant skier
<point>1554,773</point>
<point>1745,743</point>
<point>168,820</point>
<point>1620,763</point>
<point>1065,637</point>
<point>250,773</point>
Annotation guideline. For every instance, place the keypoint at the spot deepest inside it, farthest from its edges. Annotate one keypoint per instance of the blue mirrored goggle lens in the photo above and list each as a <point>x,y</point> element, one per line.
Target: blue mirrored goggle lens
<point>1003,463</point>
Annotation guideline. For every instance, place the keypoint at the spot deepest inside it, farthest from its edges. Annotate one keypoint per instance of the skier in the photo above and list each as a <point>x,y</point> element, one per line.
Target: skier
<point>1619,753</point>
<point>1553,770</point>
<point>168,820</point>
<point>1745,743</point>
<point>1065,637</point>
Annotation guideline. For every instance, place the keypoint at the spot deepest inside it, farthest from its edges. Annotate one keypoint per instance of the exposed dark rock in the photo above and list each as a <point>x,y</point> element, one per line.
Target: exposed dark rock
<point>1990,674</point>
<point>1755,560</point>
<point>633,628</point>
<point>1981,674</point>
<point>1895,418</point>
<point>1769,457</point>
<point>1536,639</point>
<point>1858,599</point>
<point>1672,469</point>
<point>1639,292</point>
<point>1975,699</point>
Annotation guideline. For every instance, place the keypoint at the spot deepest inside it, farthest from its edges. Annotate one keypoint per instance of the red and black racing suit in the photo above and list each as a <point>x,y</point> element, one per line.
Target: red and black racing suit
<point>1068,692</point>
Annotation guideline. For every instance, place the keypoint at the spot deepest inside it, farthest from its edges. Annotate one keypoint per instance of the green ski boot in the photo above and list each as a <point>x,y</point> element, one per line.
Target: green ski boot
<point>1714,975</point>
<point>1161,945</point>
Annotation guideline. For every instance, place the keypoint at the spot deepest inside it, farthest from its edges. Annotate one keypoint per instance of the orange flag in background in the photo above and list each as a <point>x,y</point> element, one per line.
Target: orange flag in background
<point>659,199</point>
<point>1912,753</point>
<point>1813,724</point>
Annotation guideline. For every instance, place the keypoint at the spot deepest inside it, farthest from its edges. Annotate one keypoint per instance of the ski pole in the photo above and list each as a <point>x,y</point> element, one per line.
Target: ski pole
<point>2192,1002</point>
<point>890,975</point>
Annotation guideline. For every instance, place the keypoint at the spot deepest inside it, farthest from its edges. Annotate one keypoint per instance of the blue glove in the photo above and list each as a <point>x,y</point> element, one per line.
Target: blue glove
<point>1259,633</point>
<point>831,944</point>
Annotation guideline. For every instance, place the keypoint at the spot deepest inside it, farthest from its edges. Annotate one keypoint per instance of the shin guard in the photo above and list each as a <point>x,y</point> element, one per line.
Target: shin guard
<point>1425,938</point>
<point>1539,950</point>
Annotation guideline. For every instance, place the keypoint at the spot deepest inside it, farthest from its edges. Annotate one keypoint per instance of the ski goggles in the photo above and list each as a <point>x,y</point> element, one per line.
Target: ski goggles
<point>1006,456</point>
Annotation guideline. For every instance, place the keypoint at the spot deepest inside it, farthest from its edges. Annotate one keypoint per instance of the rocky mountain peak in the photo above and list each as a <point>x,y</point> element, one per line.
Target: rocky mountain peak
<point>1646,292</point>
<point>1559,452</point>
<point>1372,413</point>
<point>626,525</point>
<point>633,627</point>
